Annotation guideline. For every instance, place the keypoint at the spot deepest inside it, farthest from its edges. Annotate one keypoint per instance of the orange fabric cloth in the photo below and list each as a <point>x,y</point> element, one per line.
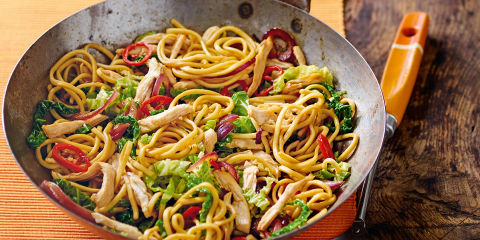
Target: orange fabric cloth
<point>24,212</point>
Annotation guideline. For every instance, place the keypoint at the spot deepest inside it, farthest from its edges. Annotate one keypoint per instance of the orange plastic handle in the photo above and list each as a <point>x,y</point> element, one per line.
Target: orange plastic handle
<point>403,63</point>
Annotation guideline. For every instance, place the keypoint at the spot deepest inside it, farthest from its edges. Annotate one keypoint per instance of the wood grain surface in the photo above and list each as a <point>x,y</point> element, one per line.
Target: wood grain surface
<point>427,183</point>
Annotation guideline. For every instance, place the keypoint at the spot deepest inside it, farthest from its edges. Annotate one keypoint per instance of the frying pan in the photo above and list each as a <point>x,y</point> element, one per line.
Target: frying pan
<point>115,23</point>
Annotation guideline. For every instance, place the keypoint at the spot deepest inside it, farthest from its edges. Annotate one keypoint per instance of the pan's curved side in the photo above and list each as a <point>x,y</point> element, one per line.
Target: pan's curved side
<point>115,23</point>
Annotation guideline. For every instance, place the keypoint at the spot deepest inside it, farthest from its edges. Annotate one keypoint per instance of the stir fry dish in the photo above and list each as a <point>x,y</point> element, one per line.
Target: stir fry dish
<point>182,135</point>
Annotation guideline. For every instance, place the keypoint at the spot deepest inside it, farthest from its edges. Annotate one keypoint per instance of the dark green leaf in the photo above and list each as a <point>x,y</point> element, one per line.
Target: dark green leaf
<point>206,205</point>
<point>75,194</point>
<point>37,136</point>
<point>298,222</point>
<point>84,129</point>
<point>131,134</point>
<point>155,112</point>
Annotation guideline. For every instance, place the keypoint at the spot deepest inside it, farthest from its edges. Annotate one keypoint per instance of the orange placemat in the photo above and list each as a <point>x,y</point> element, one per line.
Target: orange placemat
<point>24,212</point>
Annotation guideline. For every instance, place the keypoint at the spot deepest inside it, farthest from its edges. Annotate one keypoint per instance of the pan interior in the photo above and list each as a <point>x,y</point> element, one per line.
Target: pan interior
<point>115,23</point>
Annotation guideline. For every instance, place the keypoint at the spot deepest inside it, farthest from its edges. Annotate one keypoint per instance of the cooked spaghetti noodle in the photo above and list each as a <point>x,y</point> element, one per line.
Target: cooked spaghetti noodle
<point>189,136</point>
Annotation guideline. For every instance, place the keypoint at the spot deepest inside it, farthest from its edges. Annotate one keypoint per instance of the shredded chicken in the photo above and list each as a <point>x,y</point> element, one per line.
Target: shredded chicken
<point>178,45</point>
<point>250,176</point>
<point>186,84</point>
<point>152,122</point>
<point>92,172</point>
<point>260,62</point>
<point>245,144</point>
<point>271,164</point>
<point>130,230</point>
<point>243,219</point>
<point>108,73</point>
<point>60,128</point>
<point>144,88</point>
<point>293,86</point>
<point>275,61</point>
<point>273,211</point>
<point>297,51</point>
<point>261,116</point>
<point>105,195</point>
<point>209,140</point>
<point>95,120</point>
<point>140,191</point>
<point>115,161</point>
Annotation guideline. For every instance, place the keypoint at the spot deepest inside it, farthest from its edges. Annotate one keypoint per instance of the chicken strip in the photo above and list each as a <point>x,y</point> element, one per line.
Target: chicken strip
<point>153,122</point>
<point>61,128</point>
<point>243,219</point>
<point>144,88</point>
<point>250,176</point>
<point>131,231</point>
<point>140,192</point>
<point>260,62</point>
<point>245,144</point>
<point>289,192</point>
<point>262,116</point>
<point>271,164</point>
<point>209,140</point>
<point>186,84</point>
<point>106,193</point>
<point>293,86</point>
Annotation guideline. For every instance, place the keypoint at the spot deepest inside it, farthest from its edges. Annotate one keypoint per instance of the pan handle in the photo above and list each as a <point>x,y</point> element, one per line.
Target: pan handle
<point>402,65</point>
<point>302,4</point>
<point>397,84</point>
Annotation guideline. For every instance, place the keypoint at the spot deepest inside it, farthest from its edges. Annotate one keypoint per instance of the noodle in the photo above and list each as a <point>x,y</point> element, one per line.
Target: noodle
<point>212,159</point>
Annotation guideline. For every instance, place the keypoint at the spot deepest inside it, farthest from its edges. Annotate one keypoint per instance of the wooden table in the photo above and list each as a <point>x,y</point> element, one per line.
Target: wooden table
<point>427,182</point>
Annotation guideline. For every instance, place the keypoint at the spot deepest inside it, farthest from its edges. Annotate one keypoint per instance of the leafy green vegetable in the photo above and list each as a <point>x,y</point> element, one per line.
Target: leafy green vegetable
<point>84,129</point>
<point>221,146</point>
<point>240,101</point>
<point>139,38</point>
<point>75,194</point>
<point>299,221</point>
<point>99,99</point>
<point>278,85</point>
<point>37,136</point>
<point>126,82</point>
<point>131,134</point>
<point>161,90</point>
<point>175,187</point>
<point>193,158</point>
<point>206,205</point>
<point>155,112</point>
<point>162,231</point>
<point>300,72</point>
<point>259,199</point>
<point>243,124</point>
<point>125,216</point>
<point>211,124</point>
<point>145,139</point>
<point>206,175</point>
<point>324,174</point>
<point>146,224</point>
<point>344,173</point>
<point>343,111</point>
<point>163,170</point>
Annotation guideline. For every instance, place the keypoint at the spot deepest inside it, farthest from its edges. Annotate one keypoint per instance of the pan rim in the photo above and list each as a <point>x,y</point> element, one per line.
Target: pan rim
<point>286,235</point>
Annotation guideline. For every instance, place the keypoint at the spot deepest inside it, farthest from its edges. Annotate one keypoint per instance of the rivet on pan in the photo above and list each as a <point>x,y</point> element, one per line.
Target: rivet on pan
<point>245,10</point>
<point>296,25</point>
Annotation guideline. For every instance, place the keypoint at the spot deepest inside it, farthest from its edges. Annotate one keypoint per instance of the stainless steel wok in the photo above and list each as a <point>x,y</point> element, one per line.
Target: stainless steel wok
<point>115,23</point>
